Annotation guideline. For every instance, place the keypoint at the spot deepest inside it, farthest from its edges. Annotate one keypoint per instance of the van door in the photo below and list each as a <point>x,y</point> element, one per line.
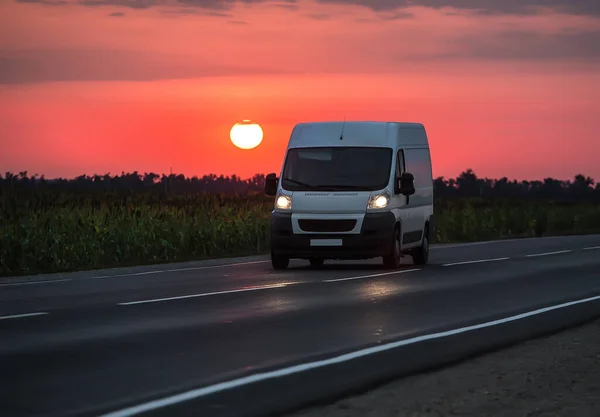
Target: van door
<point>402,203</point>
<point>418,163</point>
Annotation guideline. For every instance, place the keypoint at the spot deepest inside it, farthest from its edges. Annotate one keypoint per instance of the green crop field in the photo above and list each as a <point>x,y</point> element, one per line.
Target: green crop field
<point>49,232</point>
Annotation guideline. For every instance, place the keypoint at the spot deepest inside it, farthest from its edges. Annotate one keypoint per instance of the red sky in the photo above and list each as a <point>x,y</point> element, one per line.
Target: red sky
<point>97,86</point>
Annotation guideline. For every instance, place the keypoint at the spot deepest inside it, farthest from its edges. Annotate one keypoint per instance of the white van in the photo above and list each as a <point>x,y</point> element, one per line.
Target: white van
<point>353,190</point>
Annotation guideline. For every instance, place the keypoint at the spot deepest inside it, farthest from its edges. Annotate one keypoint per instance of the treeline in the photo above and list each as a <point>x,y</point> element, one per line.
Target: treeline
<point>176,184</point>
<point>467,184</point>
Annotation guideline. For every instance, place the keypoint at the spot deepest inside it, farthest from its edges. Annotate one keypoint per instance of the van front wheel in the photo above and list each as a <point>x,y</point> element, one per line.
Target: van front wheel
<point>393,259</point>
<point>420,255</point>
<point>279,261</point>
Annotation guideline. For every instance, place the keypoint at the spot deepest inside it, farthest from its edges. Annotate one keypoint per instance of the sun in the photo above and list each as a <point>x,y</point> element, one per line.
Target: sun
<point>246,134</point>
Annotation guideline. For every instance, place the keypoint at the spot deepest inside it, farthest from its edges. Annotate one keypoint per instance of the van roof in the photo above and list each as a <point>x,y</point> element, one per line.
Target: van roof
<point>364,123</point>
<point>357,133</point>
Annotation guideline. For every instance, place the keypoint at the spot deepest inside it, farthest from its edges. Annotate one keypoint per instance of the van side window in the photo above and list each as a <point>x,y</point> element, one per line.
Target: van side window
<point>419,164</point>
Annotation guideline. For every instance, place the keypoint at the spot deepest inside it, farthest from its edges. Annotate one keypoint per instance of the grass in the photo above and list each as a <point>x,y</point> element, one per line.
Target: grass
<point>43,232</point>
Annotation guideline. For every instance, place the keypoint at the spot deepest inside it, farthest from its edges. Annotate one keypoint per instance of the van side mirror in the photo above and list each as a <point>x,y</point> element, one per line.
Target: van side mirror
<point>271,183</point>
<point>406,184</point>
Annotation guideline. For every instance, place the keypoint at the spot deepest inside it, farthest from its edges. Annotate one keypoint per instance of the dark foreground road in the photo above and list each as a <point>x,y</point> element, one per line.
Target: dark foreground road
<point>237,340</point>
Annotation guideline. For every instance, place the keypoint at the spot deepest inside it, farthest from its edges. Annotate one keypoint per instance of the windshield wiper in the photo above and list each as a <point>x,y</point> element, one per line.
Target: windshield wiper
<point>300,183</point>
<point>325,186</point>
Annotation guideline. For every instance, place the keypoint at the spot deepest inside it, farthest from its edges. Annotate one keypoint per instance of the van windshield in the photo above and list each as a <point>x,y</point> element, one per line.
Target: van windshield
<point>337,168</point>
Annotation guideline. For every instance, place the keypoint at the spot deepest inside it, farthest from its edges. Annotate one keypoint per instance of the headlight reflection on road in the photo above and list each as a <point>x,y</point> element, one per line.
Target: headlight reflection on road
<point>267,286</point>
<point>374,290</point>
<point>376,322</point>
<point>266,303</point>
<point>279,304</point>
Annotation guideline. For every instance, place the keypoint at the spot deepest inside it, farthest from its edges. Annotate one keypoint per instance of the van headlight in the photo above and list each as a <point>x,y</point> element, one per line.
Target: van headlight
<point>283,202</point>
<point>378,201</point>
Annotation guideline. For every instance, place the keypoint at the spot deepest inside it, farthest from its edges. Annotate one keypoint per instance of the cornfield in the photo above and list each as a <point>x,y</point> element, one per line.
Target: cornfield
<point>43,232</point>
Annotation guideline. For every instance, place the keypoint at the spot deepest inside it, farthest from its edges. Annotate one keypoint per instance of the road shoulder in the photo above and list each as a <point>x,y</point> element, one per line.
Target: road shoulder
<point>550,376</point>
<point>154,268</point>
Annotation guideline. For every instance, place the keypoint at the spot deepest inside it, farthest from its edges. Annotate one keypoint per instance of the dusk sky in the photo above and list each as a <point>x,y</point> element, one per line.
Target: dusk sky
<point>505,87</point>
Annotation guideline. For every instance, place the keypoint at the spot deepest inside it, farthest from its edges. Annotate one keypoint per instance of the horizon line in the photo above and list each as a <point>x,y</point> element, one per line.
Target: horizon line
<point>37,176</point>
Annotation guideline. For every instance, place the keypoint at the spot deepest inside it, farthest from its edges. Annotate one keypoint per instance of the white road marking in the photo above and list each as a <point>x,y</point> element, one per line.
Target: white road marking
<point>592,248</point>
<point>533,255</point>
<point>208,294</point>
<point>15,284</point>
<point>226,385</point>
<point>18,316</point>
<point>135,274</point>
<point>193,268</point>
<point>371,276</point>
<point>493,242</point>
<point>478,261</point>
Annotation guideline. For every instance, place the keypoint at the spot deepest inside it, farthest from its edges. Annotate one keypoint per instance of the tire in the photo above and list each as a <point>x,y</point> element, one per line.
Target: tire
<point>420,255</point>
<point>279,261</point>
<point>393,258</point>
<point>316,262</point>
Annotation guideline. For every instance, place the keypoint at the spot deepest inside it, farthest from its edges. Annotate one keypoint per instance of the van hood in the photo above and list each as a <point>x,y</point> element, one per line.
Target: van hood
<point>330,201</point>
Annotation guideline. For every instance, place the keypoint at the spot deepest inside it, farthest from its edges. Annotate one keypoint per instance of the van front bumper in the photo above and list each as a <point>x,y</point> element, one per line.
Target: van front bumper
<point>375,239</point>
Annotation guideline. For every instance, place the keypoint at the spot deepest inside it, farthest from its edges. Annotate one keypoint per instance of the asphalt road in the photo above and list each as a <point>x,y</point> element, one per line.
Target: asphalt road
<point>97,342</point>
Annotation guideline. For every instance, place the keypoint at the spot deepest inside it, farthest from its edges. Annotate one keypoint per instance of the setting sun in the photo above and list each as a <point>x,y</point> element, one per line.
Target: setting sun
<point>246,134</point>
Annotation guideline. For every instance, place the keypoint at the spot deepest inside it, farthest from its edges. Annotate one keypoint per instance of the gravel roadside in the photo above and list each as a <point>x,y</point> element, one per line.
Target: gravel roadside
<point>553,376</point>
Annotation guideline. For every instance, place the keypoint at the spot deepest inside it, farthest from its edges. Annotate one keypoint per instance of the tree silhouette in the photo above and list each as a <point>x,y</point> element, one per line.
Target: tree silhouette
<point>467,184</point>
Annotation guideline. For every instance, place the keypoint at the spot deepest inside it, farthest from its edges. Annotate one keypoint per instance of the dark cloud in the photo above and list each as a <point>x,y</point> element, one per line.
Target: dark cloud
<point>521,45</point>
<point>33,66</point>
<point>132,4</point>
<point>518,45</point>
<point>319,16</point>
<point>197,12</point>
<point>288,6</point>
<point>217,14</point>
<point>145,4</point>
<point>520,7</point>
<point>117,14</point>
<point>216,4</point>
<point>488,7</point>
<point>397,16</point>
<point>45,2</point>
<point>390,16</point>
<point>183,11</point>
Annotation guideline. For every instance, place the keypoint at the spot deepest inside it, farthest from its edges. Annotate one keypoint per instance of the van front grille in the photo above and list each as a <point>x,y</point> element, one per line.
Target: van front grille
<point>327,226</point>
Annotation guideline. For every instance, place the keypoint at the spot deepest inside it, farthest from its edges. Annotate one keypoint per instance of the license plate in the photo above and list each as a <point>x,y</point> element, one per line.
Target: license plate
<point>326,242</point>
